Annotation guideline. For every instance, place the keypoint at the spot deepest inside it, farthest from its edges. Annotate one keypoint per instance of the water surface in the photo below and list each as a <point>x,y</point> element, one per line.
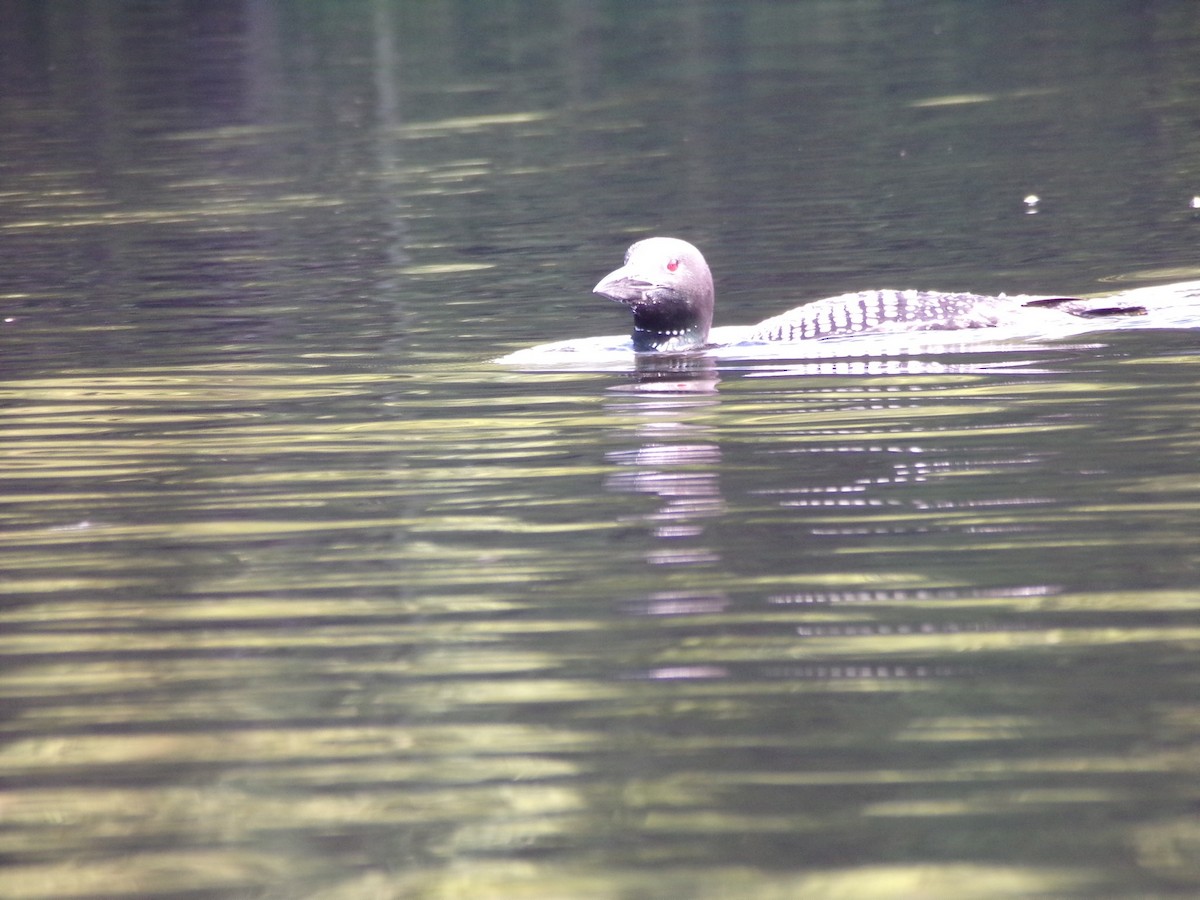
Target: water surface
<point>303,596</point>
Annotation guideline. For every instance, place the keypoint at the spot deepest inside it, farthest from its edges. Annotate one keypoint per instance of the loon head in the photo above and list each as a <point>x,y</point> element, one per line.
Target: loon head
<point>667,284</point>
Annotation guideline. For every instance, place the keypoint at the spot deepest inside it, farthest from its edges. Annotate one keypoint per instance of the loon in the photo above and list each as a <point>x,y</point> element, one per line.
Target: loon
<point>668,286</point>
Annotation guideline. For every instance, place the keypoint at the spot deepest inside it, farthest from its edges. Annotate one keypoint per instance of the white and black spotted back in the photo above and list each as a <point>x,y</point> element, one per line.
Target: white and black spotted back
<point>880,311</point>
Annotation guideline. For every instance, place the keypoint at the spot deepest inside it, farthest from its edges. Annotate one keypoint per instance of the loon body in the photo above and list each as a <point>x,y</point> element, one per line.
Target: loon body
<point>668,286</point>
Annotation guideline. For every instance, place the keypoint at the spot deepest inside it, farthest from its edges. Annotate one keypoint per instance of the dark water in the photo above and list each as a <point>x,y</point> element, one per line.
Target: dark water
<point>304,597</point>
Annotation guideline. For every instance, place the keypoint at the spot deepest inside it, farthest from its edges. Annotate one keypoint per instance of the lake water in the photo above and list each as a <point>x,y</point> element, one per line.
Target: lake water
<point>303,596</point>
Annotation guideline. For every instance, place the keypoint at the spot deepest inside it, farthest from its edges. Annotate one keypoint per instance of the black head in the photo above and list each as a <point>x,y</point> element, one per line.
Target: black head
<point>666,282</point>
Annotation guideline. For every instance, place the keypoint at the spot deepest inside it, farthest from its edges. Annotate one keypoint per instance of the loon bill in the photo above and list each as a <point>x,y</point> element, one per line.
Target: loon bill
<point>667,284</point>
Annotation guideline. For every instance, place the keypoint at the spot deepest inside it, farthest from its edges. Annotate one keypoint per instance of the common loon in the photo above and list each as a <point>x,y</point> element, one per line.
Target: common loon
<point>667,284</point>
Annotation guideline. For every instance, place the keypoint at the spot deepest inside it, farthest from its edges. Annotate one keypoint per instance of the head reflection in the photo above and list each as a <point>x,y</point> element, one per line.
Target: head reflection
<point>672,373</point>
<point>676,462</point>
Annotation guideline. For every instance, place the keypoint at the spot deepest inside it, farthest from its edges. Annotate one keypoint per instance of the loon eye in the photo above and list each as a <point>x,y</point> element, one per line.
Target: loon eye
<point>672,265</point>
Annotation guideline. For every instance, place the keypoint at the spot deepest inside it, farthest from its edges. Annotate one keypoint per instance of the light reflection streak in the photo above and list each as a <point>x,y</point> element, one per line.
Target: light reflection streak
<point>876,595</point>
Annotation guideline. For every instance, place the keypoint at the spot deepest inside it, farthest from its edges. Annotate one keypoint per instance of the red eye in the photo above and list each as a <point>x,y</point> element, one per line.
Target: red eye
<point>672,265</point>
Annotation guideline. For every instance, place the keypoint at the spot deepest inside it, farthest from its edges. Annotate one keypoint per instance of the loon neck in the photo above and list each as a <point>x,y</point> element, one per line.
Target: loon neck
<point>670,325</point>
<point>671,340</point>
